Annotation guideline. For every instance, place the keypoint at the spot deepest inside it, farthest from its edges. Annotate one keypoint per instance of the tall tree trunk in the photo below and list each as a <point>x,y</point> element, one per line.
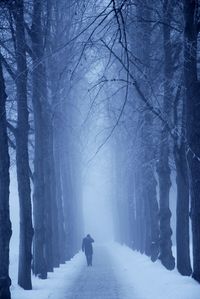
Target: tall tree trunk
<point>192,87</point>
<point>183,194</point>
<point>164,171</point>
<point>22,157</point>
<point>55,231</point>
<point>140,215</point>
<point>58,229</point>
<point>5,224</point>
<point>49,183</point>
<point>153,210</point>
<point>182,211</point>
<point>49,163</point>
<point>68,206</point>
<point>131,210</point>
<point>61,196</point>
<point>147,153</point>
<point>39,261</point>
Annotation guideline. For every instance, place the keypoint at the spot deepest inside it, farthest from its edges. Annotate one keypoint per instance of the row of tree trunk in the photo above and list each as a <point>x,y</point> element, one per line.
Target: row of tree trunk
<point>166,134</point>
<point>53,236</point>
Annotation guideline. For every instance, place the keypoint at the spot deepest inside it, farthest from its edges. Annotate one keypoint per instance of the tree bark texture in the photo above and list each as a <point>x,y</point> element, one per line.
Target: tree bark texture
<point>68,207</point>
<point>182,211</point>
<point>164,171</point>
<point>39,260</point>
<point>5,224</point>
<point>50,194</point>
<point>192,87</point>
<point>61,196</point>
<point>22,157</point>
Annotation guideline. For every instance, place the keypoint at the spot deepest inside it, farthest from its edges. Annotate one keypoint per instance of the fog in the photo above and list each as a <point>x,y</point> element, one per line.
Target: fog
<point>97,200</point>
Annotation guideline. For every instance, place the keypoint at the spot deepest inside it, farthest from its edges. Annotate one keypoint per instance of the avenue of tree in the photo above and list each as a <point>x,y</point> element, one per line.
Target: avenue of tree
<point>145,56</point>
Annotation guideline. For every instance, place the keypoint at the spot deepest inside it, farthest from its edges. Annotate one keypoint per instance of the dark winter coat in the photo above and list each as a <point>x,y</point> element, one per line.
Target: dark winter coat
<point>87,245</point>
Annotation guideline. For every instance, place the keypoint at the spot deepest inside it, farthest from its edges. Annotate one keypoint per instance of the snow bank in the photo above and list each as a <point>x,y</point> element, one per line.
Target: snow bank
<point>52,288</point>
<point>143,279</point>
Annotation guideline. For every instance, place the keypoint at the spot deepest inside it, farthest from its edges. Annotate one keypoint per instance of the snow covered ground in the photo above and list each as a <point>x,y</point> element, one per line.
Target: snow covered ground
<point>117,273</point>
<point>52,288</point>
<point>149,280</point>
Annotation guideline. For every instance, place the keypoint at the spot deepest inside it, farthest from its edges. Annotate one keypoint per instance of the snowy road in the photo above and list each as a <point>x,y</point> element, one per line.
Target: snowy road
<point>98,281</point>
<point>117,273</point>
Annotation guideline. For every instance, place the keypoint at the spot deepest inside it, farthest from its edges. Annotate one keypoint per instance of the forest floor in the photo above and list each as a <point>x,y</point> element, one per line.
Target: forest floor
<point>117,273</point>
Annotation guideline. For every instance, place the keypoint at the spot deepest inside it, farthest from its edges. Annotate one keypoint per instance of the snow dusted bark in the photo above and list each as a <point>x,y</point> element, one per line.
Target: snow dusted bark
<point>22,157</point>
<point>163,168</point>
<point>5,224</point>
<point>192,87</point>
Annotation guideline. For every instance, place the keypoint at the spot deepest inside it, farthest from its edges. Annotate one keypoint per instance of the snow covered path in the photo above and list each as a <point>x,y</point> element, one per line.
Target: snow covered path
<point>117,273</point>
<point>98,281</point>
<point>120,273</point>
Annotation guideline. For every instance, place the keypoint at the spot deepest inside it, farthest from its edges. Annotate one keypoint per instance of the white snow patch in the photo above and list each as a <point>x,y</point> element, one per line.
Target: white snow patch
<point>54,287</point>
<point>142,279</point>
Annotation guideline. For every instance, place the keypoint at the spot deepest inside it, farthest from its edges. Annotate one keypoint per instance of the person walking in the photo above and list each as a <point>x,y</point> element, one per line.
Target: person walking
<point>88,249</point>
